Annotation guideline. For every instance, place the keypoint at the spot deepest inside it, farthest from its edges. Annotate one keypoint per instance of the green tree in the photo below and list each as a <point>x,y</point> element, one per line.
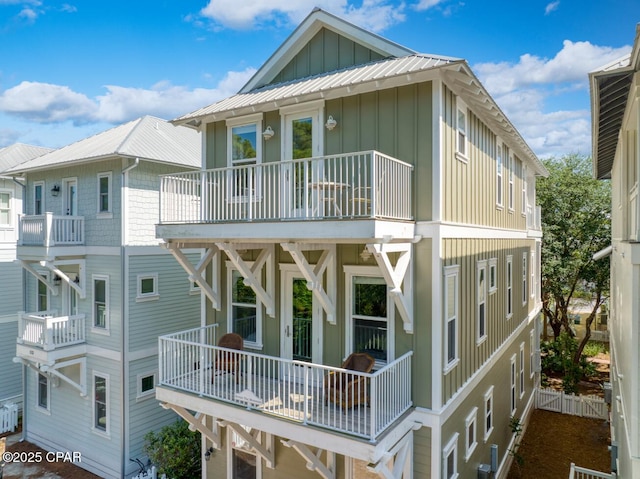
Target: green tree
<point>175,450</point>
<point>576,223</point>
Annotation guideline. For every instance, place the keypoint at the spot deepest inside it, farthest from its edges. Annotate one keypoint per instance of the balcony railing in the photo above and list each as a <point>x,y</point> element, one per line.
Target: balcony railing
<point>314,394</point>
<point>50,230</point>
<point>583,473</point>
<point>355,185</point>
<point>48,331</point>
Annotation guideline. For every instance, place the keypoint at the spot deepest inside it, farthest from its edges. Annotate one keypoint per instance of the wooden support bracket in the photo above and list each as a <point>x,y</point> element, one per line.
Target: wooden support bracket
<point>314,463</point>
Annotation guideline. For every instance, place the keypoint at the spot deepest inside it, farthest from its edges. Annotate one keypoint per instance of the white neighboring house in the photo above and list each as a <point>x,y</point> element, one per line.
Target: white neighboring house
<point>11,300</point>
<point>99,291</point>
<point>615,109</point>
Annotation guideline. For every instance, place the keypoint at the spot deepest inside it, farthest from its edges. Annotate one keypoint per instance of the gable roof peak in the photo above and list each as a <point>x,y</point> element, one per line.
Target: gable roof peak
<point>312,24</point>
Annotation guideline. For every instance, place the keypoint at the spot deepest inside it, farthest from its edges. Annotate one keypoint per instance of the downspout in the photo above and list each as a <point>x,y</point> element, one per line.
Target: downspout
<point>124,312</point>
<point>23,434</point>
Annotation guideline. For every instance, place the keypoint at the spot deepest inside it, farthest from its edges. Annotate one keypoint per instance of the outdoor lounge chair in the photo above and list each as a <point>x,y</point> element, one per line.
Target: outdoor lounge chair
<point>347,389</point>
<point>228,361</point>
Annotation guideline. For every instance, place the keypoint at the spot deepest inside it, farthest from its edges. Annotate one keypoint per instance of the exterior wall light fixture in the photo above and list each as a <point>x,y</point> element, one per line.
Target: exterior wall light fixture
<point>268,133</point>
<point>331,123</point>
<point>55,191</point>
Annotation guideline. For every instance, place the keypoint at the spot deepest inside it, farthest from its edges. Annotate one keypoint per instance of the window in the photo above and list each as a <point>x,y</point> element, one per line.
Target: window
<point>512,389</point>
<point>481,294</point>
<point>488,413</point>
<point>5,208</point>
<point>470,425</point>
<point>525,291</point>
<point>369,316</point>
<point>521,370</point>
<point>146,385</point>
<point>243,463</point>
<point>532,272</point>
<point>512,165</point>
<point>451,315</point>
<point>101,403</point>
<point>244,317</point>
<point>499,176</point>
<point>43,391</point>
<point>244,151</point>
<point>147,287</point>
<point>42,298</point>
<point>493,275</point>
<point>450,459</point>
<point>104,192</point>
<point>509,286</point>
<point>532,353</point>
<point>461,126</point>
<point>524,190</point>
<point>38,198</point>
<point>100,302</point>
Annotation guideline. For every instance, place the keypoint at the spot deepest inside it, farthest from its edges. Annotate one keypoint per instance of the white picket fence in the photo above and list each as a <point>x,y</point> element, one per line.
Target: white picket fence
<point>148,474</point>
<point>8,418</point>
<point>577,472</point>
<point>585,406</point>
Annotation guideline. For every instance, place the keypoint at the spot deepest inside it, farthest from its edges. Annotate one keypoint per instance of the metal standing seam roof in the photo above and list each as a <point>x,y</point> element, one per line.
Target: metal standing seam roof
<point>19,153</point>
<point>148,138</point>
<point>352,76</point>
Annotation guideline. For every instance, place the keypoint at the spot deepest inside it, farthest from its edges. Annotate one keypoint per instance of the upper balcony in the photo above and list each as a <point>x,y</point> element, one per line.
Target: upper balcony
<point>39,233</point>
<point>44,336</point>
<point>233,202</point>
<point>240,384</point>
<point>534,218</point>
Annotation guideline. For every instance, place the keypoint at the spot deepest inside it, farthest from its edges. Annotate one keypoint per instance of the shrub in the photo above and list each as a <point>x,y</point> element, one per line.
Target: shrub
<point>175,451</point>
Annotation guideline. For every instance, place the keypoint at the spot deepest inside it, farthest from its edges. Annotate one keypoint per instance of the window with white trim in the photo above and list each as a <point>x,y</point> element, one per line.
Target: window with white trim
<point>242,461</point>
<point>481,295</point>
<point>244,151</point>
<point>43,392</point>
<point>525,290</point>
<point>532,272</point>
<point>512,390</point>
<point>521,370</point>
<point>42,294</point>
<point>471,431</point>
<point>147,289</point>
<point>532,353</point>
<point>488,413</point>
<point>38,198</point>
<point>524,190</point>
<point>370,318</point>
<point>512,166</point>
<point>509,280</point>
<point>499,175</point>
<point>244,316</point>
<point>146,385</point>
<point>100,302</point>
<point>6,216</point>
<point>461,128</point>
<point>493,275</point>
<point>451,304</point>
<point>104,193</point>
<point>450,459</point>
<point>101,403</point>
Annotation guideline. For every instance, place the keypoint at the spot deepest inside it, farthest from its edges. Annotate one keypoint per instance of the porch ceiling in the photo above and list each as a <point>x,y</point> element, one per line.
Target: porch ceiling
<point>342,231</point>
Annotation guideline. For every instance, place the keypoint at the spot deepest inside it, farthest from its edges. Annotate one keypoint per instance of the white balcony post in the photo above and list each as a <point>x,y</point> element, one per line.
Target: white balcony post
<point>48,335</point>
<point>48,229</point>
<point>373,405</point>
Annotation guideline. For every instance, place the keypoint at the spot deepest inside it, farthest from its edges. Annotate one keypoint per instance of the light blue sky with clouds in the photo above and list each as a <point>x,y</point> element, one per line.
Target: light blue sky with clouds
<point>71,69</point>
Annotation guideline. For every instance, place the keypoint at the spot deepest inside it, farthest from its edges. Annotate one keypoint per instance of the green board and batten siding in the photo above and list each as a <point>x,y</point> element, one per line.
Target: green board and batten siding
<point>325,52</point>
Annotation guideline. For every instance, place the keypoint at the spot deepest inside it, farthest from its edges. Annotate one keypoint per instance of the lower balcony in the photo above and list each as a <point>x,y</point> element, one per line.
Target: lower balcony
<point>45,336</point>
<point>361,405</point>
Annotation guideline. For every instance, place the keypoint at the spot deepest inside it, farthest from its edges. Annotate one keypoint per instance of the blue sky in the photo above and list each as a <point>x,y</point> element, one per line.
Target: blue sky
<point>72,69</point>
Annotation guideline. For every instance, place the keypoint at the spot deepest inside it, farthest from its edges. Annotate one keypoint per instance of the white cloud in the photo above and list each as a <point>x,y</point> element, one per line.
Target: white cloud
<point>528,89</point>
<point>427,4</point>
<point>47,104</point>
<point>551,7</point>
<point>375,15</point>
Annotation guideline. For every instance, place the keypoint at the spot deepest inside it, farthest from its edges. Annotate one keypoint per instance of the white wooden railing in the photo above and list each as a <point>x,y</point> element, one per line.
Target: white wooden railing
<point>48,331</point>
<point>8,419</point>
<point>50,230</point>
<point>355,185</point>
<point>583,473</point>
<point>325,396</point>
